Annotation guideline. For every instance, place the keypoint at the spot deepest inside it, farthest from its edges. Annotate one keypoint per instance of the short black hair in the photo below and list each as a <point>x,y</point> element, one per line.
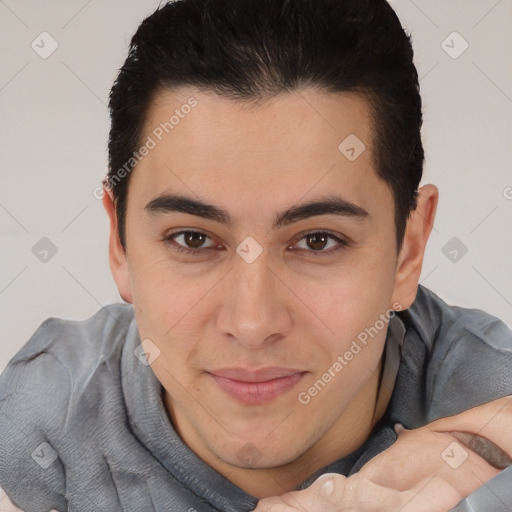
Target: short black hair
<point>250,50</point>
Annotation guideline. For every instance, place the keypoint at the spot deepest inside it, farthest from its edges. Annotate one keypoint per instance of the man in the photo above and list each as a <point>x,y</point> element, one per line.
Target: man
<point>268,234</point>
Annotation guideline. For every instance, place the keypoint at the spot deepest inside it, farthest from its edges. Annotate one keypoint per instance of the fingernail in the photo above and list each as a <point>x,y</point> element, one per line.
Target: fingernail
<point>327,488</point>
<point>399,428</point>
<point>326,475</point>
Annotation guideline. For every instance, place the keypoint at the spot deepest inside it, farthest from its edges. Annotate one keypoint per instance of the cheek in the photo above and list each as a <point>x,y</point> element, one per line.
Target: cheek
<point>352,298</point>
<point>159,284</point>
<point>335,303</point>
<point>174,311</point>
<point>351,353</point>
<point>356,310</point>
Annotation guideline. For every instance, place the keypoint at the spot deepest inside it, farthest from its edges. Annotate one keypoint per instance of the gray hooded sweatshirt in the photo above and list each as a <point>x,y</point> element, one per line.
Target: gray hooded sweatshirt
<point>83,426</point>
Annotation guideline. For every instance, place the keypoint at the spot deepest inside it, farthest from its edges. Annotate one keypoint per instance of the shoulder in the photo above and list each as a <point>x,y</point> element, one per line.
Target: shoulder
<point>63,354</point>
<point>63,339</point>
<point>48,390</point>
<point>461,357</point>
<point>439,324</point>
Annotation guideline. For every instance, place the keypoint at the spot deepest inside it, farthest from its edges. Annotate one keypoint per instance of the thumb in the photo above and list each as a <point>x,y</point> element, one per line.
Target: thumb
<point>329,490</point>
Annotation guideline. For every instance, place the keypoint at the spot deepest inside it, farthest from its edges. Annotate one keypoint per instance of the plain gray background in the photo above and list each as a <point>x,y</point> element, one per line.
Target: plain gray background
<point>54,128</point>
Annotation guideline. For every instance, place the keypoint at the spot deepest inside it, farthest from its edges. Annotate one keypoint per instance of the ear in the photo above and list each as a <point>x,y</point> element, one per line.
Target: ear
<point>410,258</point>
<point>117,256</point>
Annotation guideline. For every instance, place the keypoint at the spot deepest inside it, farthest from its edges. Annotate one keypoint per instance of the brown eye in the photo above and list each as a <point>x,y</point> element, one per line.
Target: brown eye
<point>193,239</point>
<point>318,241</point>
<point>189,242</point>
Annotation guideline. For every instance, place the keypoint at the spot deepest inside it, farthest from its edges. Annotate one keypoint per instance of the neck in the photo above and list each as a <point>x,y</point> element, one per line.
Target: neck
<point>347,434</point>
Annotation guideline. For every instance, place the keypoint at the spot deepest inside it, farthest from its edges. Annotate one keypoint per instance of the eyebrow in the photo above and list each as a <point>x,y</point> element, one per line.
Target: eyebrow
<point>172,203</point>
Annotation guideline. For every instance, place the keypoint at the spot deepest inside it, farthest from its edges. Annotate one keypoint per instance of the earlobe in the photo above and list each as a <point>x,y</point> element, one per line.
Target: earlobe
<point>410,259</point>
<point>117,256</point>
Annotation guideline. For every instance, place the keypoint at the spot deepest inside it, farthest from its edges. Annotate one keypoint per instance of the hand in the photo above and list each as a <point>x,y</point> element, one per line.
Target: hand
<point>421,472</point>
<point>6,505</point>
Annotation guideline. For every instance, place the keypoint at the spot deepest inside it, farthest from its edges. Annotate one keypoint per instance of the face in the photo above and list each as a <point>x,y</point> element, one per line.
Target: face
<point>257,253</point>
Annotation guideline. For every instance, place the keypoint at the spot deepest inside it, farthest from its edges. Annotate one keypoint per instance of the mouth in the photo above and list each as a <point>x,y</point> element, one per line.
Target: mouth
<point>256,386</point>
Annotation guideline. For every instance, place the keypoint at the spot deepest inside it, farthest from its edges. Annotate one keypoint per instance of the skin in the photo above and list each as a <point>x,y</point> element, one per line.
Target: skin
<point>426,483</point>
<point>288,308</point>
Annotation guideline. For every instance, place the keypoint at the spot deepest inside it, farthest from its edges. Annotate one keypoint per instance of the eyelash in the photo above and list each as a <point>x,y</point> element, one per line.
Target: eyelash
<point>168,240</point>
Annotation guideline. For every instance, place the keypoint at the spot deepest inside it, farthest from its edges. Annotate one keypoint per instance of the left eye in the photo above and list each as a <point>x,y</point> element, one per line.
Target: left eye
<point>316,242</point>
<point>192,242</point>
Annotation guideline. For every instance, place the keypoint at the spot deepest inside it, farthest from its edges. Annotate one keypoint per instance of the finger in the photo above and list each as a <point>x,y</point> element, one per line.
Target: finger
<point>324,495</point>
<point>328,492</point>
<point>432,495</point>
<point>274,504</point>
<point>407,461</point>
<point>336,493</point>
<point>492,421</point>
<point>399,428</point>
<point>363,495</point>
<point>489,451</point>
<point>464,469</point>
<point>419,454</point>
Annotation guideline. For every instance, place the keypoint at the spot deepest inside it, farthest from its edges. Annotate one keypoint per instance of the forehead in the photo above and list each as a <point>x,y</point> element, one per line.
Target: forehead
<point>307,121</point>
<point>292,145</point>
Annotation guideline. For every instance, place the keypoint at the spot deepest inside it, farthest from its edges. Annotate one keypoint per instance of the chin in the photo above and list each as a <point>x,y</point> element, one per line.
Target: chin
<point>262,454</point>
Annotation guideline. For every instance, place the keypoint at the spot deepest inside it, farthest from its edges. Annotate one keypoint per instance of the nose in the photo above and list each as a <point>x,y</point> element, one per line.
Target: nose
<point>255,306</point>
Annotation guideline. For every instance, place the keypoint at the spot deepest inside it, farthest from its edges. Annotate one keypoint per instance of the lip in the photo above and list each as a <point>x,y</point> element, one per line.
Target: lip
<point>256,386</point>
